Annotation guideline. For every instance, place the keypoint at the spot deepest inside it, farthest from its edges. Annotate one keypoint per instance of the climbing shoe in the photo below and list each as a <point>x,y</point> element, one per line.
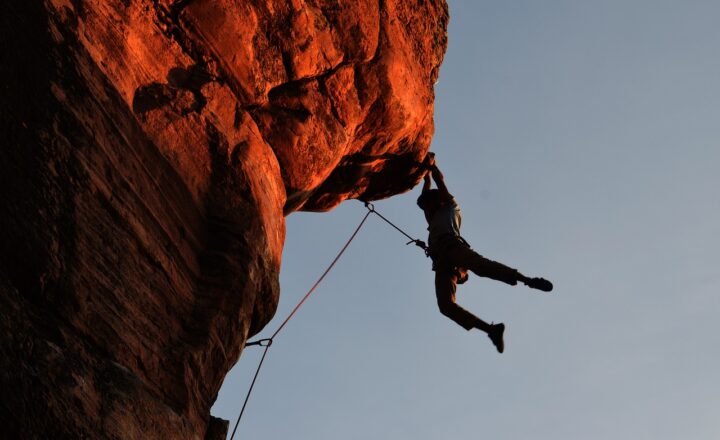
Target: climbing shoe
<point>495,333</point>
<point>540,284</point>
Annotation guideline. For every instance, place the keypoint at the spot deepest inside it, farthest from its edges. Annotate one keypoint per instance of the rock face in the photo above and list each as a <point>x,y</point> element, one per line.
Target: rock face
<point>151,149</point>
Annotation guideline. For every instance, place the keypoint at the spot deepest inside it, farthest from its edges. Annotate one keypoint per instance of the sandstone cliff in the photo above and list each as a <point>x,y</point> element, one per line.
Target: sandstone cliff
<point>150,151</point>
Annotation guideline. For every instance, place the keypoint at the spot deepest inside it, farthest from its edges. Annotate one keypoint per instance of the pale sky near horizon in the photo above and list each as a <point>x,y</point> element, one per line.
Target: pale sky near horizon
<point>582,140</point>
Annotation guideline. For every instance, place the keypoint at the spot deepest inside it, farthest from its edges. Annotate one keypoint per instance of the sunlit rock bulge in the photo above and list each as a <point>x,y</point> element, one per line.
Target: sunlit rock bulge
<point>151,152</point>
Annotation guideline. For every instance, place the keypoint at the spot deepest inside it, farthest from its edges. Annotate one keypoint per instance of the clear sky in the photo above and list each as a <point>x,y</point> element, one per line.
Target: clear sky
<point>582,140</point>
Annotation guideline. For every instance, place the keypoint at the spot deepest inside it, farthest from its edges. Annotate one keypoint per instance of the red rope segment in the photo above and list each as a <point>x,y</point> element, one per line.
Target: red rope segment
<point>322,277</point>
<point>297,307</point>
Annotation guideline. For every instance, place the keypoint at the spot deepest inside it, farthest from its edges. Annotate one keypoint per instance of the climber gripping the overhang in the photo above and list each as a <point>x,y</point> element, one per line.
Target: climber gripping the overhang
<point>452,256</point>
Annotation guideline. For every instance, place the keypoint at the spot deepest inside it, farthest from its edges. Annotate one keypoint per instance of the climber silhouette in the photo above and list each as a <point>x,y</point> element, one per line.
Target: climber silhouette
<point>452,256</point>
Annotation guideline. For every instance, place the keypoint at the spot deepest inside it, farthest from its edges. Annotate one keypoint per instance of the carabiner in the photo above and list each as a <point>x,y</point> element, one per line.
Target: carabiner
<point>261,342</point>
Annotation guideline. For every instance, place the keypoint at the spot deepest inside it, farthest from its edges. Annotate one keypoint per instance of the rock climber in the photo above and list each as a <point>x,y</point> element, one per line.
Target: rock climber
<point>452,256</point>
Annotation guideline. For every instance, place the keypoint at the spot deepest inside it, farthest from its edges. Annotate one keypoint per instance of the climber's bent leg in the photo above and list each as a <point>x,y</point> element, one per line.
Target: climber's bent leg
<point>445,287</point>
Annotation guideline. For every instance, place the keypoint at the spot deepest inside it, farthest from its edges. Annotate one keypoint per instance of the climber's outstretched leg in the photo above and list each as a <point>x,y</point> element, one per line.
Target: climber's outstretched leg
<point>461,255</point>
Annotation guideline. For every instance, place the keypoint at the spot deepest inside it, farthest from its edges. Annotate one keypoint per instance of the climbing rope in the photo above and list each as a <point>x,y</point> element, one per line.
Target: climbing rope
<point>419,243</point>
<point>267,342</point>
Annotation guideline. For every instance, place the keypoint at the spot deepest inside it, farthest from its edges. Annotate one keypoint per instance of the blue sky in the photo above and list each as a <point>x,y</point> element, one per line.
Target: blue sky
<point>582,140</point>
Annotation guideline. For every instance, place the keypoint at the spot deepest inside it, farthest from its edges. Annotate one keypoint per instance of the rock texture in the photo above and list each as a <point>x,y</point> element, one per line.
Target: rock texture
<point>151,149</point>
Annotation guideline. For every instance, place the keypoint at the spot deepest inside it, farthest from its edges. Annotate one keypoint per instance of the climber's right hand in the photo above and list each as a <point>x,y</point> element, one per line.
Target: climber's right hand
<point>429,161</point>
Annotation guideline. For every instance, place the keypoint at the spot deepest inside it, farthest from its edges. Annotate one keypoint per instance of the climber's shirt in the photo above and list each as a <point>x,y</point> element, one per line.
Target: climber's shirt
<point>444,234</point>
<point>445,223</point>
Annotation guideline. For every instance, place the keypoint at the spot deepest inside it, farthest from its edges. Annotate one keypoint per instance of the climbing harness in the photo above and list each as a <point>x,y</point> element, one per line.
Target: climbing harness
<point>267,342</point>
